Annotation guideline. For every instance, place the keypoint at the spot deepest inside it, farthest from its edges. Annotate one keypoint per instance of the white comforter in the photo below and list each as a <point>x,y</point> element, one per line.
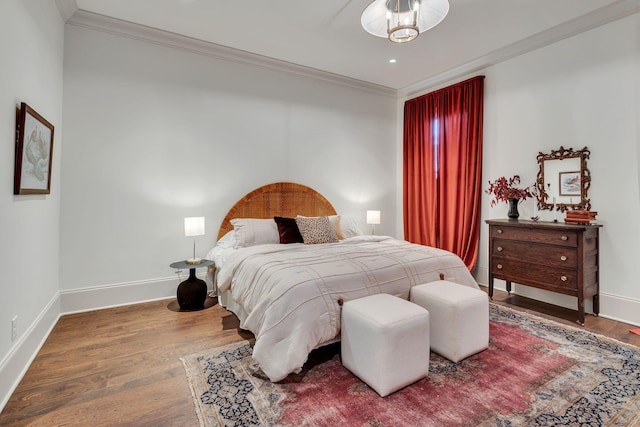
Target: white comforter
<point>291,292</point>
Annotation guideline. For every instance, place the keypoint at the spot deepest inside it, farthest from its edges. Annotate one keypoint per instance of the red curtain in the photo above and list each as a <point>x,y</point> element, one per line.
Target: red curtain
<point>443,168</point>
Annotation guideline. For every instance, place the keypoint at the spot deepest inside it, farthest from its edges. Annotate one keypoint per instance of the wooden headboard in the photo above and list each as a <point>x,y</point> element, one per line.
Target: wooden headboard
<point>278,199</point>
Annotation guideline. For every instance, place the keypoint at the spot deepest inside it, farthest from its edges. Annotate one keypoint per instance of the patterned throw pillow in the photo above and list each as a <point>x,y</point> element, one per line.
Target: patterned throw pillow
<point>316,230</point>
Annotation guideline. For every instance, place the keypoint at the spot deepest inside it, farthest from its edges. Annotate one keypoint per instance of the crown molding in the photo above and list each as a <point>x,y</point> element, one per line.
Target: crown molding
<point>97,22</point>
<point>66,8</point>
<point>597,18</point>
<point>81,18</point>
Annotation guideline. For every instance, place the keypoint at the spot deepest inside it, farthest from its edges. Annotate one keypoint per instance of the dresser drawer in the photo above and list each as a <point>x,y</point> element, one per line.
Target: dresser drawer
<point>553,256</point>
<point>555,237</point>
<point>555,279</point>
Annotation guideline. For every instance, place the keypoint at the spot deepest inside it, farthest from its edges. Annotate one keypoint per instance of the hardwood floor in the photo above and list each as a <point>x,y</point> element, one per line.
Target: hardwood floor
<point>121,366</point>
<point>118,366</point>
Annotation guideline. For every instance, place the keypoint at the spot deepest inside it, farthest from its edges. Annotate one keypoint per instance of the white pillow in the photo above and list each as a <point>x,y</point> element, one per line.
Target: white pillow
<point>228,240</point>
<point>349,226</point>
<point>335,222</point>
<point>251,232</point>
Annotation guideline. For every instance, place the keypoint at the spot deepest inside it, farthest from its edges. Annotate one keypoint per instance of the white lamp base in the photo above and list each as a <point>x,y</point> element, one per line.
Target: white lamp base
<point>194,261</point>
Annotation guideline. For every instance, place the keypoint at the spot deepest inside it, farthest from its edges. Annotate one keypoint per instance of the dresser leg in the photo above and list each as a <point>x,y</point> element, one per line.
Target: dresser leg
<point>509,287</point>
<point>596,305</point>
<point>581,314</point>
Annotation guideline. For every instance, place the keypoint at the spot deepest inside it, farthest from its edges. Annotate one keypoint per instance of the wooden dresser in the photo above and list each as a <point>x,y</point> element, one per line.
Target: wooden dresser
<point>553,256</point>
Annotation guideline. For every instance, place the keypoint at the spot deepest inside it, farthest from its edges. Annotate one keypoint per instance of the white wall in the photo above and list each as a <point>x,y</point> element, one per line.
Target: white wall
<point>583,91</point>
<point>155,134</point>
<point>31,45</point>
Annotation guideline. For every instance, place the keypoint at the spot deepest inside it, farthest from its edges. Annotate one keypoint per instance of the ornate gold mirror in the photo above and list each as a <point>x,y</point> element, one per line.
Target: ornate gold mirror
<point>563,180</point>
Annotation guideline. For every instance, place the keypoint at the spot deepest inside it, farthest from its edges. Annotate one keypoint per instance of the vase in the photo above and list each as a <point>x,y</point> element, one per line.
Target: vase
<point>513,209</point>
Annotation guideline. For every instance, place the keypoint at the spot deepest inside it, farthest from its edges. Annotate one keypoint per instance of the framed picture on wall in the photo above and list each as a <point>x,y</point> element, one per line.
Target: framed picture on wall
<point>34,152</point>
<point>570,183</point>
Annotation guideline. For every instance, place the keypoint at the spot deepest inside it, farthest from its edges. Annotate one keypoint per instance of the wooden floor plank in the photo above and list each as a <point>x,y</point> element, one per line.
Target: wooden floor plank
<point>121,366</point>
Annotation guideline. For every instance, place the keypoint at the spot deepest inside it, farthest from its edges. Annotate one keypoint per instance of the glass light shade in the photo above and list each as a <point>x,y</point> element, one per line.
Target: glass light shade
<point>373,217</point>
<point>403,20</point>
<point>194,226</point>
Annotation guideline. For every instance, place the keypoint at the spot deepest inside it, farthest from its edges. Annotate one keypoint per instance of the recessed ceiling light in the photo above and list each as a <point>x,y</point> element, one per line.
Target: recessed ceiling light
<point>392,61</point>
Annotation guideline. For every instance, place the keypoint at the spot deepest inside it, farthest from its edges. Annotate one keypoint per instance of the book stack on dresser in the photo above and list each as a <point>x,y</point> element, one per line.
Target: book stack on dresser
<point>580,217</point>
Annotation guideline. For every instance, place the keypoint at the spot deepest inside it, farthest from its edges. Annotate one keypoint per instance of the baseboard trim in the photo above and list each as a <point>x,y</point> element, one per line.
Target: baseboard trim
<point>116,295</point>
<point>15,364</point>
<point>119,294</point>
<point>622,309</point>
<point>614,307</point>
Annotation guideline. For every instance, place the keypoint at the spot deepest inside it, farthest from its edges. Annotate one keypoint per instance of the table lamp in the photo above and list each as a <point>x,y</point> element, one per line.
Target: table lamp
<point>373,217</point>
<point>193,227</point>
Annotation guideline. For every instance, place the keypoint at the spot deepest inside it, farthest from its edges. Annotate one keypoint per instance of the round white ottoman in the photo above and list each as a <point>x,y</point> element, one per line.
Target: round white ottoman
<point>459,318</point>
<point>385,341</point>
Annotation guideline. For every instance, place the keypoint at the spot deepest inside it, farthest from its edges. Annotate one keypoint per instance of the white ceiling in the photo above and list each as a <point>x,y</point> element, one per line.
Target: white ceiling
<point>326,34</point>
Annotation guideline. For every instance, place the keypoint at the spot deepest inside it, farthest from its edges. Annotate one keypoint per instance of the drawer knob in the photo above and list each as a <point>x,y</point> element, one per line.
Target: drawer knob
<point>499,266</point>
<point>499,248</point>
<point>499,231</point>
<point>563,258</point>
<point>563,278</point>
<point>565,238</point>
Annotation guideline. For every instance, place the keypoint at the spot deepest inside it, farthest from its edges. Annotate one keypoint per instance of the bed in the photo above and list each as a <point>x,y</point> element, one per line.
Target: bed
<point>288,291</point>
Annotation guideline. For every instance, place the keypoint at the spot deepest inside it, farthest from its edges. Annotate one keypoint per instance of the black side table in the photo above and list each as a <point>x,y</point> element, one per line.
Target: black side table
<point>192,293</point>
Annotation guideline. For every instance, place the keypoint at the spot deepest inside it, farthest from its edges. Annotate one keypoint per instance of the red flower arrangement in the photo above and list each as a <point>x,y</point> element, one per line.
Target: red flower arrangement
<point>503,189</point>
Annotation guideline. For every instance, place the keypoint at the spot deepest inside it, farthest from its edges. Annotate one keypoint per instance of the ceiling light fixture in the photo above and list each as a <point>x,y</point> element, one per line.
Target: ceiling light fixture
<point>403,20</point>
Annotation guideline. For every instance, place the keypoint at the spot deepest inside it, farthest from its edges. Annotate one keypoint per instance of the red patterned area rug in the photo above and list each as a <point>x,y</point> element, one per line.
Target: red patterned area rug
<point>534,373</point>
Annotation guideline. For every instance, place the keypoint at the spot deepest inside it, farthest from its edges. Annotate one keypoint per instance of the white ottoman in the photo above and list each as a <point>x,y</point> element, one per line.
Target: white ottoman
<point>459,318</point>
<point>385,341</point>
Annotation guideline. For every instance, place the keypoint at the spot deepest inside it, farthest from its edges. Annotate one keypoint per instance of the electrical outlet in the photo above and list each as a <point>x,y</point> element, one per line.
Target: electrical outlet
<point>14,328</point>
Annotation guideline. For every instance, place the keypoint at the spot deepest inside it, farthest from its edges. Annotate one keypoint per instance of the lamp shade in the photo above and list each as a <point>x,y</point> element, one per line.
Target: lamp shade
<point>373,217</point>
<point>194,226</point>
<point>403,20</point>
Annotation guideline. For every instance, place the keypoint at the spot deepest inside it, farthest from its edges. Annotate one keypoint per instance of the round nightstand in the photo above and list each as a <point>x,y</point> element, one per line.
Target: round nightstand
<point>192,293</point>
